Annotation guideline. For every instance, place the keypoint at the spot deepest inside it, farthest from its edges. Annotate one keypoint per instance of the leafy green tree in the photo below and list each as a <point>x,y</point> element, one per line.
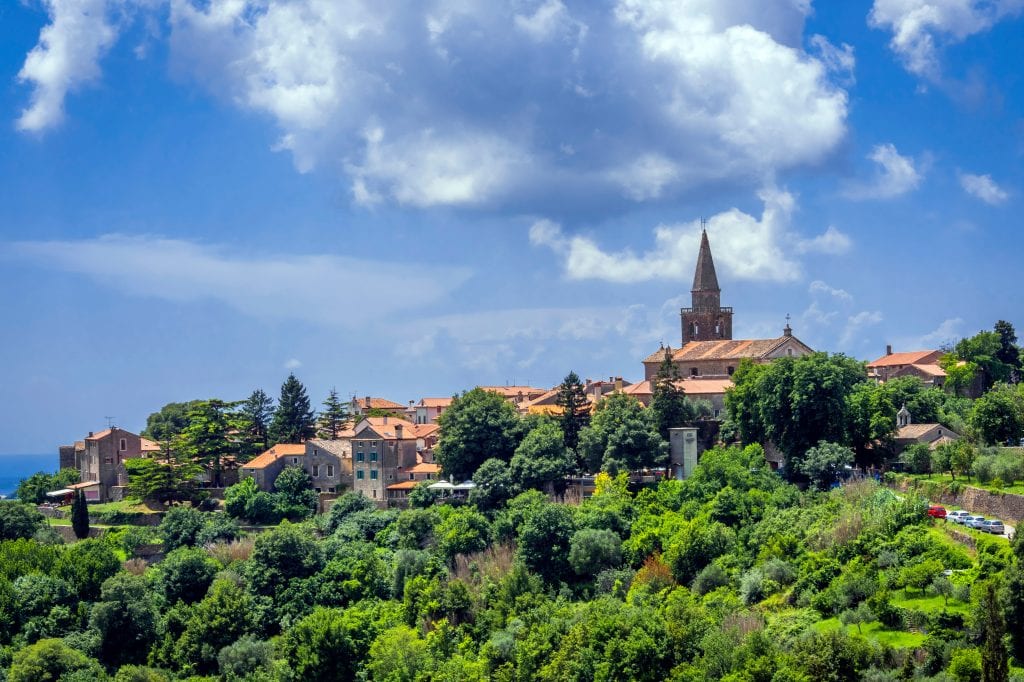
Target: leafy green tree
<point>398,654</point>
<point>961,457</point>
<point>942,460</point>
<point>544,542</point>
<point>209,435</point>
<point>423,496</point>
<point>18,520</point>
<point>185,575</point>
<point>872,413</point>
<point>542,460</point>
<point>254,415</point>
<point>984,351</point>
<point>180,527</point>
<point>296,497</point>
<point>237,497</point>
<point>163,480</point>
<point>80,515</point>
<point>918,458</point>
<point>593,550</point>
<point>246,659</point>
<point>575,413</point>
<point>346,505</point>
<point>622,436</point>
<point>494,485</point>
<point>333,417</point>
<point>294,419</point>
<point>1009,352</point>
<point>478,425</point>
<point>51,659</point>
<point>86,565</point>
<point>463,531</point>
<point>320,648</point>
<point>695,545</point>
<point>126,619</point>
<point>34,488</point>
<point>669,403</point>
<point>795,402</point>
<point>825,463</point>
<point>170,421</point>
<point>221,618</point>
<point>139,673</point>
<point>998,415</point>
<point>280,556</point>
<point>858,616</point>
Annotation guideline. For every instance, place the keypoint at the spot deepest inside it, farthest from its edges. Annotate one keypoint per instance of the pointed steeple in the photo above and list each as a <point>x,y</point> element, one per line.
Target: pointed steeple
<point>704,279</point>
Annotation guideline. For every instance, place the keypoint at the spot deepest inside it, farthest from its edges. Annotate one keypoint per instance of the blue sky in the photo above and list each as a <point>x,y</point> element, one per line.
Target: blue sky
<point>407,199</point>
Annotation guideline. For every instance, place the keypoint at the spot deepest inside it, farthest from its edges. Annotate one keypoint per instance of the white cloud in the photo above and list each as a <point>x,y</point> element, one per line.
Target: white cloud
<point>839,60</point>
<point>856,327</point>
<point>66,58</point>
<point>920,28</point>
<point>832,242</point>
<point>894,176</point>
<point>279,287</point>
<point>819,287</point>
<point>479,99</point>
<point>948,332</point>
<point>292,363</point>
<point>983,187</point>
<point>744,246</point>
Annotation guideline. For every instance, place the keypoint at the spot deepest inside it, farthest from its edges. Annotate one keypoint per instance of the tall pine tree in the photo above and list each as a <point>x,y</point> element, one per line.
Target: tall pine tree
<point>255,413</point>
<point>80,516</point>
<point>294,420</point>
<point>334,416</point>
<point>575,410</point>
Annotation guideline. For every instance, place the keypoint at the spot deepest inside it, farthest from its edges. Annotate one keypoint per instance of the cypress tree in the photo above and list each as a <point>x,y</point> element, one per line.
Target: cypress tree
<point>80,516</point>
<point>575,410</point>
<point>995,666</point>
<point>334,416</point>
<point>294,420</point>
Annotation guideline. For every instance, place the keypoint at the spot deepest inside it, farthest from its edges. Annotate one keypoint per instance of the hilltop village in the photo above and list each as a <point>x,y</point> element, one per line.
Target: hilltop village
<point>384,449</point>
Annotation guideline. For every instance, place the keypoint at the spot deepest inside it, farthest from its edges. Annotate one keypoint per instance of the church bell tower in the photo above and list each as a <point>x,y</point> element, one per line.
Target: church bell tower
<point>706,319</point>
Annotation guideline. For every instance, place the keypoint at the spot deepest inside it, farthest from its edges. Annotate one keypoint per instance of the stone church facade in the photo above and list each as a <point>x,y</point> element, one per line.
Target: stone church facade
<point>708,349</point>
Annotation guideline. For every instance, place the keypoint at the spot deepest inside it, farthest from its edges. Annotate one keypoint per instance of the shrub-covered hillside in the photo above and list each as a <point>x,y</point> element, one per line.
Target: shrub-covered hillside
<point>732,574</point>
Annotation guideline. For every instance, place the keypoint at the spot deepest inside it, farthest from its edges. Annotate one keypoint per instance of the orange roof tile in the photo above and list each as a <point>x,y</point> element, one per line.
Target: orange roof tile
<point>435,402</point>
<point>372,403</point>
<point>424,430</point>
<point>423,468</point>
<point>148,445</point>
<point>733,349</point>
<point>528,392</point>
<point>267,458</point>
<point>385,427</point>
<point>97,436</point>
<point>404,485</point>
<point>932,370</point>
<point>917,357</point>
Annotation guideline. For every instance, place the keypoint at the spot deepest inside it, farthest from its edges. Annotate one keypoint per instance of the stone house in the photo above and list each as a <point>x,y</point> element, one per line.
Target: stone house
<point>908,433</point>
<point>266,467</point>
<point>711,390</point>
<point>427,410</point>
<point>361,406</point>
<point>380,447</point>
<point>924,364</point>
<point>329,463</point>
<point>100,459</point>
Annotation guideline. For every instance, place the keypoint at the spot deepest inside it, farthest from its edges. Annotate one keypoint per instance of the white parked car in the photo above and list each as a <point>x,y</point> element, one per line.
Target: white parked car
<point>957,516</point>
<point>993,526</point>
<point>974,521</point>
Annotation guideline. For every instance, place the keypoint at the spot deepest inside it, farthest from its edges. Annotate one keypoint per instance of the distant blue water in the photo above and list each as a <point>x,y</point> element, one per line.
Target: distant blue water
<point>13,468</point>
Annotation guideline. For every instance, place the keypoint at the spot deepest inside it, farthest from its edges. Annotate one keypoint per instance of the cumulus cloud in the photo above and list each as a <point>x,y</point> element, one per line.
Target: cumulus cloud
<point>292,363</point>
<point>265,287</point>
<point>854,333</point>
<point>894,175</point>
<point>983,187</point>
<point>474,103</point>
<point>65,58</point>
<point>744,246</point>
<point>949,331</point>
<point>840,59</point>
<point>820,287</point>
<point>920,28</point>
<point>832,242</point>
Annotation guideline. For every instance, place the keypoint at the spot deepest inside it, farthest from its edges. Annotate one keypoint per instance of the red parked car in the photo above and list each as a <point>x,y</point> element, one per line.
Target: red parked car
<point>937,512</point>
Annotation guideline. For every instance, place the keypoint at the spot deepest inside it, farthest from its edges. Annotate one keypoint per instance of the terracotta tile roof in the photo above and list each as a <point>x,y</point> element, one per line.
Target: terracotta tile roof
<point>97,436</point>
<point>385,427</point>
<point>917,357</point>
<point>148,445</point>
<point>371,403</point>
<point>734,349</point>
<point>267,458</point>
<point>404,485</point>
<point>528,392</point>
<point>914,431</point>
<point>639,388</point>
<point>84,484</point>
<point>689,386</point>
<point>425,430</point>
<point>931,370</point>
<point>435,402</point>
<point>546,398</point>
<point>423,468</point>
<point>79,445</point>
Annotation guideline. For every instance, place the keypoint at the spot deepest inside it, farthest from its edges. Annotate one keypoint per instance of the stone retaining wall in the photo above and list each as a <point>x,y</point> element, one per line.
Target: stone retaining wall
<point>1004,506</point>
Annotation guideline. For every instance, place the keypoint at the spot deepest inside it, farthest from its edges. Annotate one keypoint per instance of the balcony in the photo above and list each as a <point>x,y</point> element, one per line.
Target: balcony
<point>706,309</point>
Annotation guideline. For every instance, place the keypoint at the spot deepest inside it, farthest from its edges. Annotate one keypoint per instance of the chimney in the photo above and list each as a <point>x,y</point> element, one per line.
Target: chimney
<point>888,349</point>
<point>385,419</point>
<point>90,434</point>
<point>611,380</point>
<point>411,403</point>
<point>398,431</point>
<point>618,383</point>
<point>367,402</point>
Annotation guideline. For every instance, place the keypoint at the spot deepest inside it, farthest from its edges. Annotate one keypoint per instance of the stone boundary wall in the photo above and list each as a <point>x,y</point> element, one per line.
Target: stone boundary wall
<point>1004,506</point>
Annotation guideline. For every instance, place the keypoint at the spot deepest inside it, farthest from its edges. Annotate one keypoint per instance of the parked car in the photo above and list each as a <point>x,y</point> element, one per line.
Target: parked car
<point>958,516</point>
<point>974,521</point>
<point>936,512</point>
<point>993,526</point>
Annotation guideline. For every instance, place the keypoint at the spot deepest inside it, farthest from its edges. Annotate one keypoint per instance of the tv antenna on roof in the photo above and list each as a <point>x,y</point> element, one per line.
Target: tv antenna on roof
<point>110,421</point>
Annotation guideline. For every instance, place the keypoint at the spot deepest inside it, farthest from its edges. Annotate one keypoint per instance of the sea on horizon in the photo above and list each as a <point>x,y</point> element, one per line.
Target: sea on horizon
<point>14,467</point>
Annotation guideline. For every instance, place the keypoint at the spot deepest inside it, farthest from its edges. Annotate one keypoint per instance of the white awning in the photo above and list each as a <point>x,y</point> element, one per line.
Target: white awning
<point>465,485</point>
<point>59,493</point>
<point>441,485</point>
